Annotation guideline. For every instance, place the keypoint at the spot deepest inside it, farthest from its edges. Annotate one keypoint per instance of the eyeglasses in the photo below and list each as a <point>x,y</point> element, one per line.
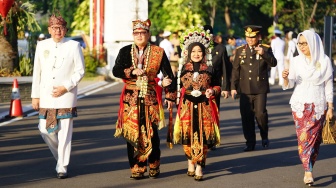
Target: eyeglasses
<point>302,44</point>
<point>61,28</point>
<point>142,33</point>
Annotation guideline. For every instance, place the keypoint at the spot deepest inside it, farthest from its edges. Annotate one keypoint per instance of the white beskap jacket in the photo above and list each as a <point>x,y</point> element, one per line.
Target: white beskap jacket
<point>57,64</point>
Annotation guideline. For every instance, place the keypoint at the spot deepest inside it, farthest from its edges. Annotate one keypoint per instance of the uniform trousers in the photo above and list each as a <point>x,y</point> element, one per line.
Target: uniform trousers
<point>253,107</point>
<point>217,98</point>
<point>59,143</point>
<point>277,69</point>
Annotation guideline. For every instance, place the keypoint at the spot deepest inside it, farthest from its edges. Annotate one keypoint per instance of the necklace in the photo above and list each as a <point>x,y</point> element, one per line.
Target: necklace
<point>58,58</point>
<point>147,56</point>
<point>142,81</point>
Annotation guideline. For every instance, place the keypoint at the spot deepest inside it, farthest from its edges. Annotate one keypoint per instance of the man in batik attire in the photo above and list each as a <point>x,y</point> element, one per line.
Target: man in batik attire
<point>141,112</point>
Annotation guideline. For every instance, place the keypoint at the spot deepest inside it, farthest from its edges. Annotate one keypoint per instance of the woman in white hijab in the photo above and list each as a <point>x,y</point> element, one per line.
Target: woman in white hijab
<point>311,73</point>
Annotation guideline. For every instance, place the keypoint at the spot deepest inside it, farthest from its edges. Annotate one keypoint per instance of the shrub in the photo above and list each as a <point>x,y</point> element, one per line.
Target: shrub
<point>26,68</point>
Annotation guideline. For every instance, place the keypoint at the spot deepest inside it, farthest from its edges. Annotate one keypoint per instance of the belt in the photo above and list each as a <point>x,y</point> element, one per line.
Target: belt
<point>188,92</point>
<point>134,82</point>
<point>131,85</point>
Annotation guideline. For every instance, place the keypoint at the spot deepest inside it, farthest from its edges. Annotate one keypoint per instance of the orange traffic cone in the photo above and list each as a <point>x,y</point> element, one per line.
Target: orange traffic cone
<point>15,107</point>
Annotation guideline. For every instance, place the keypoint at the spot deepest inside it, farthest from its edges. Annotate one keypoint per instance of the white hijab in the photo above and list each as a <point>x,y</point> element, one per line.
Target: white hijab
<point>319,61</point>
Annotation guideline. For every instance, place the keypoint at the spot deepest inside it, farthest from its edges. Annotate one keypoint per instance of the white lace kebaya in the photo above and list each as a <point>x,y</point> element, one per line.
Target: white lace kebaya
<point>313,80</point>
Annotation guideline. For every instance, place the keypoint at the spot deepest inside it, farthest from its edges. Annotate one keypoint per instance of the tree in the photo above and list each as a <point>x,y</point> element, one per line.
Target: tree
<point>63,7</point>
<point>300,15</point>
<point>20,19</point>
<point>67,8</point>
<point>175,15</point>
<point>81,21</point>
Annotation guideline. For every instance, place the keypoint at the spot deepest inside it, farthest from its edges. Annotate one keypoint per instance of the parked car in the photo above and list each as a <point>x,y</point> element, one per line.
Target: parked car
<point>23,47</point>
<point>78,39</point>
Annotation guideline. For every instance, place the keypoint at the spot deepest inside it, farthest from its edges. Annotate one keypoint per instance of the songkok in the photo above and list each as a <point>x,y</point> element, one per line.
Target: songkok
<point>166,34</point>
<point>57,20</point>
<point>252,30</point>
<point>41,36</point>
<point>277,31</point>
<point>139,24</point>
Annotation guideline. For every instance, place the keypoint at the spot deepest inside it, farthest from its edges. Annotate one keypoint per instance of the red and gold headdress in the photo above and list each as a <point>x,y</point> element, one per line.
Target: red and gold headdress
<point>196,34</point>
<point>139,24</point>
<point>57,20</point>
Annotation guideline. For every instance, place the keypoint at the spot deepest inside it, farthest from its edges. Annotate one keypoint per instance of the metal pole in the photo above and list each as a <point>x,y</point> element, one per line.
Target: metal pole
<point>274,13</point>
<point>91,26</point>
<point>137,9</point>
<point>328,38</point>
<point>98,29</point>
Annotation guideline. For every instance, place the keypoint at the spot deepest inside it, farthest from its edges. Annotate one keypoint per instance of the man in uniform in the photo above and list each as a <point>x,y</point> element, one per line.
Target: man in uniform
<point>58,68</point>
<point>250,79</point>
<point>222,66</point>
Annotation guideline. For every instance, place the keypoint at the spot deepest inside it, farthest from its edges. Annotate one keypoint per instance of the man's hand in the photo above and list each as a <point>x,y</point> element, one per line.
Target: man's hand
<point>259,50</point>
<point>169,104</point>
<point>36,103</point>
<point>166,81</point>
<point>225,94</point>
<point>137,72</point>
<point>58,91</point>
<point>233,94</point>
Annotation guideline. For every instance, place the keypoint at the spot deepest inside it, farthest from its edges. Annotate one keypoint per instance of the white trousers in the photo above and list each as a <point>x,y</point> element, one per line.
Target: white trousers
<point>59,143</point>
<point>279,68</point>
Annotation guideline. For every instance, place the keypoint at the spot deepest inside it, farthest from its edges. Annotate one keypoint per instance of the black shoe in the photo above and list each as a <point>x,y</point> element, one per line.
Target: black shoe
<point>248,148</point>
<point>265,143</point>
<point>213,148</point>
<point>62,175</point>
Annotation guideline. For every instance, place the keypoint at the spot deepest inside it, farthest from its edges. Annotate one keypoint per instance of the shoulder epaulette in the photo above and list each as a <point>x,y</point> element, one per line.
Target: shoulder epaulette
<point>240,46</point>
<point>266,45</point>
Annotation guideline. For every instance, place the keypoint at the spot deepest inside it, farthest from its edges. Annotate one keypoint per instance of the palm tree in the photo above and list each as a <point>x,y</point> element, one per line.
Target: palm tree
<point>6,55</point>
<point>20,18</point>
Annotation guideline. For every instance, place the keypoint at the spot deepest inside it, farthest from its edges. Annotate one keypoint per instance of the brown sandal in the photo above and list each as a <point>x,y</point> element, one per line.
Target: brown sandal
<point>191,174</point>
<point>137,175</point>
<point>154,172</point>
<point>198,178</point>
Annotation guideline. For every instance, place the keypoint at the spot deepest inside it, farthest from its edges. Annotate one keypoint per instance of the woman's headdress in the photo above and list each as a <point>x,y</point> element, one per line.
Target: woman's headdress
<point>320,61</point>
<point>192,35</point>
<point>196,34</point>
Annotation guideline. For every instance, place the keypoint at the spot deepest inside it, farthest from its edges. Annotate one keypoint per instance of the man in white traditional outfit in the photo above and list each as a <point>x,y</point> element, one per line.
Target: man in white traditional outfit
<point>292,51</point>
<point>167,45</point>
<point>58,68</point>
<point>278,48</point>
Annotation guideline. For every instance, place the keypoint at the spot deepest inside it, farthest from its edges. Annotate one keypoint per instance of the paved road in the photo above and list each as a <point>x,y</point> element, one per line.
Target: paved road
<point>99,160</point>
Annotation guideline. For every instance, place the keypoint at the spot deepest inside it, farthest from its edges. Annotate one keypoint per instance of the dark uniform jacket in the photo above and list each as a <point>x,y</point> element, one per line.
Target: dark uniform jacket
<point>249,74</point>
<point>222,66</point>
